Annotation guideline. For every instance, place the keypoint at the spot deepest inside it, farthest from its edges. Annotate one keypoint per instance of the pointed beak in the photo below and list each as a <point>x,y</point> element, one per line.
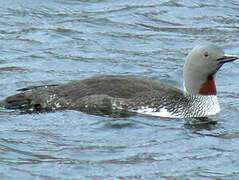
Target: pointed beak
<point>227,58</point>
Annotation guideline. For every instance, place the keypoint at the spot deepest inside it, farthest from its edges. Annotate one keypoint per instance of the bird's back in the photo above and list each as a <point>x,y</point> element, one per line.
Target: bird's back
<point>95,91</point>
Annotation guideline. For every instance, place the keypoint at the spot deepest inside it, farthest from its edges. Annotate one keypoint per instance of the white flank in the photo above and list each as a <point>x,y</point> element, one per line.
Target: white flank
<point>213,106</point>
<point>163,112</point>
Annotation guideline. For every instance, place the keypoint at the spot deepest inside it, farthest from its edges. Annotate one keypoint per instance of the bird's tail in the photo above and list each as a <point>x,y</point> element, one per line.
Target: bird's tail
<point>17,101</point>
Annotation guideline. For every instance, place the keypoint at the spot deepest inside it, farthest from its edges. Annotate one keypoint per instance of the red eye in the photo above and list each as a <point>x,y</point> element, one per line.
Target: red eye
<point>206,54</point>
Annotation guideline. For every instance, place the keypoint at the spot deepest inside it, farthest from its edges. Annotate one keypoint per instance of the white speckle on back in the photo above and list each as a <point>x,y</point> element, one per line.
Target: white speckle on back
<point>58,105</point>
<point>53,102</point>
<point>51,98</point>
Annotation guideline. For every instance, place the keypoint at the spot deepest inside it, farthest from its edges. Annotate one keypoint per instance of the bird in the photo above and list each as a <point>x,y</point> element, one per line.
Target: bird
<point>127,95</point>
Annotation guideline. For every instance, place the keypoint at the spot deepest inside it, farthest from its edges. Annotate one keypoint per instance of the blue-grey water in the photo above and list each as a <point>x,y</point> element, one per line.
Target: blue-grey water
<point>55,41</point>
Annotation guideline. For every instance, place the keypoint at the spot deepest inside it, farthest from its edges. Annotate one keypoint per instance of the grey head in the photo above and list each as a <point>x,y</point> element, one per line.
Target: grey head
<point>200,69</point>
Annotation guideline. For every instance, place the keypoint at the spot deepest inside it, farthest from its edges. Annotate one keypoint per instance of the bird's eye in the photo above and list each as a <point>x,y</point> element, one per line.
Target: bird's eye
<point>206,54</point>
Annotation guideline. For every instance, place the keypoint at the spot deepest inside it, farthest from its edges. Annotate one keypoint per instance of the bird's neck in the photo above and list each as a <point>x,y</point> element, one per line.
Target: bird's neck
<point>208,87</point>
<point>199,85</point>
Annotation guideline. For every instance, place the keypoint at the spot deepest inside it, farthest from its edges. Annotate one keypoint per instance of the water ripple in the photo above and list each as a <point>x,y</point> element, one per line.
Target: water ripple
<point>47,42</point>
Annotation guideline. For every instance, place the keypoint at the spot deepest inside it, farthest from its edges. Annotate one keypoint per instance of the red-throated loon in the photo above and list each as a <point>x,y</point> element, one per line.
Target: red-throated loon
<point>111,94</point>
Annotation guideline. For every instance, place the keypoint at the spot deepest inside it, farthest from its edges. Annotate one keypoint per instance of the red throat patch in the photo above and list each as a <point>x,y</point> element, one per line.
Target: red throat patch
<point>209,87</point>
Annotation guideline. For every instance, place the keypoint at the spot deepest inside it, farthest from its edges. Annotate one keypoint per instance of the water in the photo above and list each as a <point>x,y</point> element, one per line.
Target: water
<point>47,42</point>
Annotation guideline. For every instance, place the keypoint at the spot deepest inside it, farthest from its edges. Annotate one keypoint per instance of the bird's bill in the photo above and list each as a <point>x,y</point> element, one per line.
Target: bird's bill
<point>227,58</point>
